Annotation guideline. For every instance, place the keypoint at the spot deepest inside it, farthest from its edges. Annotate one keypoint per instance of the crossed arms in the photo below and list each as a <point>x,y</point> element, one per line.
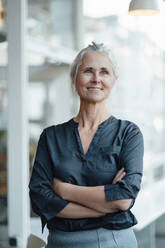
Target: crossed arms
<point>52,197</point>
<point>88,202</point>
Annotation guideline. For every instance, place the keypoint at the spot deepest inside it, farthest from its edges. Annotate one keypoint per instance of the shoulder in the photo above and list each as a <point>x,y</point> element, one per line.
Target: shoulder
<point>52,129</point>
<point>129,131</point>
<point>128,126</point>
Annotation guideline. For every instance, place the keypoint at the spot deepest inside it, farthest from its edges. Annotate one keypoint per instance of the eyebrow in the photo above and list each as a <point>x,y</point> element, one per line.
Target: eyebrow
<point>88,68</point>
<point>102,68</point>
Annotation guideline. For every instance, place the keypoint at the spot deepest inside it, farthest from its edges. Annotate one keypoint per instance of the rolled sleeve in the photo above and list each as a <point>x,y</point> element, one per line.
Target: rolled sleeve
<point>44,201</point>
<point>131,158</point>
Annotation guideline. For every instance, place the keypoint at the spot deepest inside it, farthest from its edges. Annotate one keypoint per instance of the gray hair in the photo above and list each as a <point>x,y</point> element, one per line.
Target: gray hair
<point>95,47</point>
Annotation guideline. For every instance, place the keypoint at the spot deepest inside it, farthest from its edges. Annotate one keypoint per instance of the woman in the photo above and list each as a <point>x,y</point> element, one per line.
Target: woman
<point>88,170</point>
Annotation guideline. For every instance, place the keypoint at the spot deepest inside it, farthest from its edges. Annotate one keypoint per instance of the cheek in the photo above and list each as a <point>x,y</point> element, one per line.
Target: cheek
<point>108,84</point>
<point>82,80</point>
<point>80,85</point>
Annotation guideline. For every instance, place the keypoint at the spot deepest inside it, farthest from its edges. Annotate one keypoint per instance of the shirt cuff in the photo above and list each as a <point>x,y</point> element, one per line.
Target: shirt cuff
<point>50,212</point>
<point>107,193</point>
<point>116,192</point>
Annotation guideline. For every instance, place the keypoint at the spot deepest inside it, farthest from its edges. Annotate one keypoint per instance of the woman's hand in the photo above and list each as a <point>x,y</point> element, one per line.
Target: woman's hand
<point>120,174</point>
<point>61,188</point>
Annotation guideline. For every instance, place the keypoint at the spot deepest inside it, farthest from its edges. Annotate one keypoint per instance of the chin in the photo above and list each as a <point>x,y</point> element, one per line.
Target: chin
<point>94,99</point>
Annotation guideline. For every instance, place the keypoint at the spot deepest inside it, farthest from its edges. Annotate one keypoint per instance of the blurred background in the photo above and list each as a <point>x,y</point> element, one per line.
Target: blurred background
<point>38,41</point>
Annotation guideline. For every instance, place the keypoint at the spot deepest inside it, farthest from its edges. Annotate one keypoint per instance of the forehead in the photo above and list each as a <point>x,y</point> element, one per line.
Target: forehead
<point>96,59</point>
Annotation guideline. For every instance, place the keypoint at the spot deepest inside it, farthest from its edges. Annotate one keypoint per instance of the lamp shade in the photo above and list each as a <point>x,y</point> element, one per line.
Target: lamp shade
<point>1,10</point>
<point>143,7</point>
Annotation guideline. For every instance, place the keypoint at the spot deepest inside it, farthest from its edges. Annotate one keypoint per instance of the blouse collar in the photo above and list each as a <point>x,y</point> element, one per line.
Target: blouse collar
<point>75,124</point>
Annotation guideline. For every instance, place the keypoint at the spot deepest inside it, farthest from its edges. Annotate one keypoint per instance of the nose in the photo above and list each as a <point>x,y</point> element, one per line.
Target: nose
<point>95,77</point>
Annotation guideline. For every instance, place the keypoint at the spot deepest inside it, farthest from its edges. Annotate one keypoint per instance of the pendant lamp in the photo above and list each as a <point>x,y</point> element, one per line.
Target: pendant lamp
<point>1,10</point>
<point>143,7</point>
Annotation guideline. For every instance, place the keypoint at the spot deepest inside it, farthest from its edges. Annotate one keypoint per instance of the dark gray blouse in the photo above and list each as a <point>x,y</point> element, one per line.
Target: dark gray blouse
<point>117,143</point>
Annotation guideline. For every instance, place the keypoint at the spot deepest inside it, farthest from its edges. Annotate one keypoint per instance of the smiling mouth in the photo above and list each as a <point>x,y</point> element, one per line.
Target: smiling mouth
<point>94,88</point>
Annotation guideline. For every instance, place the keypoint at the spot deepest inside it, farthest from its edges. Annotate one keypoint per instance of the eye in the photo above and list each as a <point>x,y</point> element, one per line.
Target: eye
<point>104,72</point>
<point>88,70</point>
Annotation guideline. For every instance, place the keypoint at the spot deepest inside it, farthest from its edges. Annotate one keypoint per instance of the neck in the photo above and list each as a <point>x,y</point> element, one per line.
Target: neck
<point>91,115</point>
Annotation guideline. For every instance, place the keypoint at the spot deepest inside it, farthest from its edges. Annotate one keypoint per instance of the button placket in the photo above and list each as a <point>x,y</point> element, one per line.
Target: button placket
<point>83,158</point>
<point>94,141</point>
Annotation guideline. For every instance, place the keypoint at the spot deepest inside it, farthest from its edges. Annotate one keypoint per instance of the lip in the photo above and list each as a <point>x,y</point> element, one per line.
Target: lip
<point>94,88</point>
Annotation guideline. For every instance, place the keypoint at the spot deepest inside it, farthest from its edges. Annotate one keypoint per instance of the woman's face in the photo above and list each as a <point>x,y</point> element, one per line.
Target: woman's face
<point>95,77</point>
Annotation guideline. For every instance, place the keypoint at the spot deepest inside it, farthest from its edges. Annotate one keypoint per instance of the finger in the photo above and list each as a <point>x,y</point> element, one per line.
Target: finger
<point>119,173</point>
<point>121,176</point>
<point>121,170</point>
<point>117,178</point>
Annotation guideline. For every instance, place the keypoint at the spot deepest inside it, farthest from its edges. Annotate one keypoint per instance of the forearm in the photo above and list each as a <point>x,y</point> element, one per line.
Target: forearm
<point>76,211</point>
<point>94,197</point>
